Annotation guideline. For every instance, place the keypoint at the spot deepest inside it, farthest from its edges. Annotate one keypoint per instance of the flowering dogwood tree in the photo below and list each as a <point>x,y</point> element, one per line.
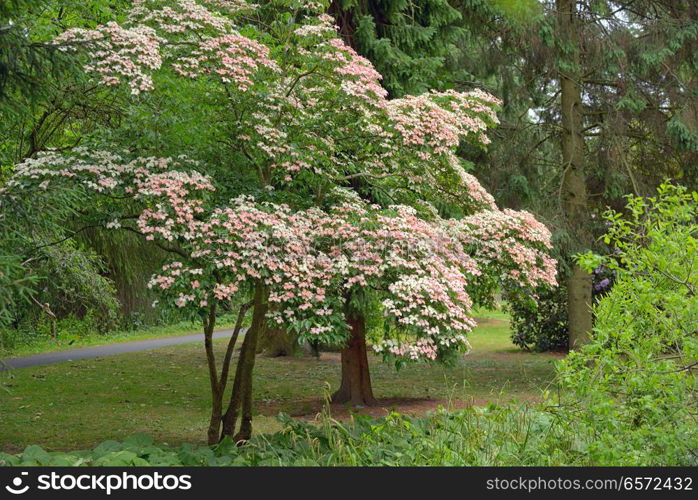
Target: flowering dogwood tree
<point>308,117</point>
<point>310,264</point>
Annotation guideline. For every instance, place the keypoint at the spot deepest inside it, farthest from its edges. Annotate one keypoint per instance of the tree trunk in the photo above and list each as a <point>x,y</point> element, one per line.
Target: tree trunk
<point>218,384</point>
<point>573,189</point>
<point>356,379</point>
<point>578,307</point>
<point>241,397</point>
<point>276,342</point>
<point>216,395</point>
<point>245,432</point>
<point>214,425</point>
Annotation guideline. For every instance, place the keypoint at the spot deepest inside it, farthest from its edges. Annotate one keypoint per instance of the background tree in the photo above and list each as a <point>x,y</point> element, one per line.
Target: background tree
<point>632,136</point>
<point>412,44</point>
<point>573,189</point>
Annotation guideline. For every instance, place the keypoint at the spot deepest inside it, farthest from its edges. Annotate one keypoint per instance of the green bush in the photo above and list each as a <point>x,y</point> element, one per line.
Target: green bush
<point>540,325</point>
<point>634,385</point>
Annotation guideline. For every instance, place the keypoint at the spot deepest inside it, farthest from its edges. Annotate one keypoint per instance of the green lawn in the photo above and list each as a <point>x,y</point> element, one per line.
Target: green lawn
<point>164,392</point>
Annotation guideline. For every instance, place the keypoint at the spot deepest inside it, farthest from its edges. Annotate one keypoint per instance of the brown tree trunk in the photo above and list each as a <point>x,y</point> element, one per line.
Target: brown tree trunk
<point>276,342</point>
<point>241,397</point>
<point>214,425</point>
<point>355,388</point>
<point>579,314</point>
<point>573,189</point>
<point>245,431</point>
<point>216,396</point>
<point>231,414</point>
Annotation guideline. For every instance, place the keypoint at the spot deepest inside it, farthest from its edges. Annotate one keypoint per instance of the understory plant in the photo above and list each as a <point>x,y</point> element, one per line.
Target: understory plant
<point>512,435</point>
<point>634,385</point>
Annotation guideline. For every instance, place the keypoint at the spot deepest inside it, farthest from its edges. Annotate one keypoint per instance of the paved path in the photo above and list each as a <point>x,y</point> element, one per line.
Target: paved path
<point>105,350</point>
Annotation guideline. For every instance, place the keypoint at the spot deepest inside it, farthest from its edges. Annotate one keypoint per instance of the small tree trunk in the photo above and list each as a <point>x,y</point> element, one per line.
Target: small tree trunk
<point>231,413</point>
<point>241,397</point>
<point>46,308</point>
<point>214,425</point>
<point>356,379</point>
<point>245,432</point>
<point>216,393</point>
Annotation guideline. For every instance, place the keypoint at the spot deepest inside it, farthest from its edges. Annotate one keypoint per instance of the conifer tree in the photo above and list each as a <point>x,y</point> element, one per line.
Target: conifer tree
<point>412,44</point>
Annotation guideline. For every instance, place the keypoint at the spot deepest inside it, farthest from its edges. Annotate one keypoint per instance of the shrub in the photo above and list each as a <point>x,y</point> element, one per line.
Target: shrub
<point>634,385</point>
<point>477,436</point>
<point>541,325</point>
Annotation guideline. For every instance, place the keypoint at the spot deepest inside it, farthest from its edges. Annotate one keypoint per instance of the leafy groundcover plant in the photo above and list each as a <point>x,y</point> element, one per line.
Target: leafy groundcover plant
<point>477,436</point>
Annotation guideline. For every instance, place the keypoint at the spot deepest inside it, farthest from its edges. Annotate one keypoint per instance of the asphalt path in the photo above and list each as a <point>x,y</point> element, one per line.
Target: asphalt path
<point>99,351</point>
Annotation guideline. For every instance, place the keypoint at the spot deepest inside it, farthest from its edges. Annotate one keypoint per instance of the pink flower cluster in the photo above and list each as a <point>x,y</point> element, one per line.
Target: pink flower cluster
<point>422,273</point>
<point>511,243</point>
<point>177,218</point>
<point>325,26</point>
<point>132,53</point>
<point>478,195</point>
<point>180,16</point>
<point>244,244</point>
<point>143,178</point>
<point>117,53</point>
<point>232,6</point>
<point>312,260</point>
<point>232,57</point>
<point>440,119</point>
<point>313,105</point>
<point>102,171</point>
<point>359,77</point>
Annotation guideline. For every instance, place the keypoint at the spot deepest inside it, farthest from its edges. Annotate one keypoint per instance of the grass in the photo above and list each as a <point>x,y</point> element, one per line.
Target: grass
<point>67,340</point>
<point>164,392</point>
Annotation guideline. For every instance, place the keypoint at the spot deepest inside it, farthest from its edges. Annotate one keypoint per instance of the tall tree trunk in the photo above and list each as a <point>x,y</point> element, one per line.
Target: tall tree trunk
<point>573,189</point>
<point>241,397</point>
<point>355,388</point>
<point>579,313</point>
